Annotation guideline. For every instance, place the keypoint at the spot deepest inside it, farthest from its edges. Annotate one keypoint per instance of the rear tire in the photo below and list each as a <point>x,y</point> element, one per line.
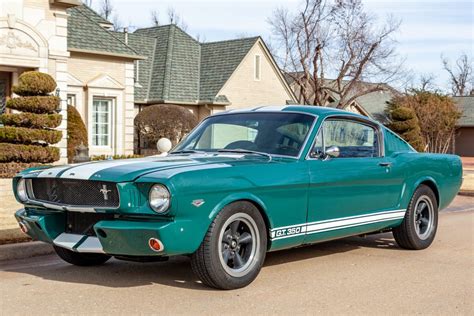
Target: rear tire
<point>419,226</point>
<point>81,259</point>
<point>233,250</point>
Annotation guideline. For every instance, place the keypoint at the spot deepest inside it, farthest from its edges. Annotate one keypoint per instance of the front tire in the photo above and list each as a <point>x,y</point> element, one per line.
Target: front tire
<point>420,224</point>
<point>233,250</point>
<point>81,259</point>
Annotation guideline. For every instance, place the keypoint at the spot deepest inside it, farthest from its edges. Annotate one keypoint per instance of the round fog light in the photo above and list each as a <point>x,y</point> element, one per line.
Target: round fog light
<point>155,244</point>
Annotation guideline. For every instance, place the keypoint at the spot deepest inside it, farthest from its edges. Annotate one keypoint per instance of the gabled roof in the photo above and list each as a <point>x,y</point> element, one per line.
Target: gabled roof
<point>218,61</point>
<point>181,69</point>
<point>85,34</point>
<point>466,105</point>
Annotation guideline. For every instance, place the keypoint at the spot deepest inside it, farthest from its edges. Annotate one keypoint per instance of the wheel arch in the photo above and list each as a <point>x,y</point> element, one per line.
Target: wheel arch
<point>246,197</point>
<point>431,183</point>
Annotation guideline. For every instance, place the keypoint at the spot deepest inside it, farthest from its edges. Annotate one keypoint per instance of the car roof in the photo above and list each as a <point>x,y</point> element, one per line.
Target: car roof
<point>320,111</point>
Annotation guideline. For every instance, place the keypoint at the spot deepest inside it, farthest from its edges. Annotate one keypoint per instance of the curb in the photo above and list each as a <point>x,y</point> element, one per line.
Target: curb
<point>466,192</point>
<point>24,250</point>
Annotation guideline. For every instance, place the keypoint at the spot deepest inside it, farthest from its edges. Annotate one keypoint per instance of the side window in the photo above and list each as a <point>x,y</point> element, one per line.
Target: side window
<point>354,139</point>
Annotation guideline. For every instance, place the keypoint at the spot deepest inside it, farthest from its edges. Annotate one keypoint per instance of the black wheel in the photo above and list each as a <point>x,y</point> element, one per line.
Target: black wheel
<point>233,250</point>
<point>419,226</point>
<point>81,259</point>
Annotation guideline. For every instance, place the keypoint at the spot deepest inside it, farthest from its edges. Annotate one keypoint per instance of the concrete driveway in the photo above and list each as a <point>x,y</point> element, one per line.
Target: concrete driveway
<point>351,276</point>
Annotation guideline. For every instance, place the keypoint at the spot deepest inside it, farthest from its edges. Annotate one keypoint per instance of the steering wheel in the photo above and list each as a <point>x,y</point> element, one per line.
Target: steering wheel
<point>241,144</point>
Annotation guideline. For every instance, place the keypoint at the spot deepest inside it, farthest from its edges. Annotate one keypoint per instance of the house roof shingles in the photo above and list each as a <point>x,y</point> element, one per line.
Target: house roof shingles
<point>184,70</point>
<point>466,105</point>
<point>85,34</point>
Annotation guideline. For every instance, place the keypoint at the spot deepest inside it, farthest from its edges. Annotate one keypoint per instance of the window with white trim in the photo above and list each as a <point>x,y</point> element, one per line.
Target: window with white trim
<point>71,99</point>
<point>101,121</point>
<point>257,66</point>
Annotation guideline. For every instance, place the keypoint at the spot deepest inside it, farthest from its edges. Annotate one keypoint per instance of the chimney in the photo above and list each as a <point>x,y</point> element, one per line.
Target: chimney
<point>125,31</point>
<point>471,93</point>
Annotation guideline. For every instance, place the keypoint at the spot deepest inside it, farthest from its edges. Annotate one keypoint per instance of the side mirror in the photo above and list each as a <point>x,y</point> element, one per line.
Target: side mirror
<point>163,145</point>
<point>332,152</point>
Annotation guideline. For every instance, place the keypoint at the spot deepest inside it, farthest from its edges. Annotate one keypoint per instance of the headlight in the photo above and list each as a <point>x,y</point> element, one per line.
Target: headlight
<point>21,190</point>
<point>159,198</point>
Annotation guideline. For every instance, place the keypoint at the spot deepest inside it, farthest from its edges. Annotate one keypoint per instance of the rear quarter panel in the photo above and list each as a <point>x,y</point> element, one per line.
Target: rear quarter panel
<point>445,171</point>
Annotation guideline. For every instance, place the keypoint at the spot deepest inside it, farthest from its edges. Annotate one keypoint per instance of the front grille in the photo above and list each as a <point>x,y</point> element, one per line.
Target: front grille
<point>83,223</point>
<point>73,192</point>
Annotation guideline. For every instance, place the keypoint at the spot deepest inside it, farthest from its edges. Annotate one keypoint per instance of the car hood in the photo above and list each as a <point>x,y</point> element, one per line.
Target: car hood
<point>131,169</point>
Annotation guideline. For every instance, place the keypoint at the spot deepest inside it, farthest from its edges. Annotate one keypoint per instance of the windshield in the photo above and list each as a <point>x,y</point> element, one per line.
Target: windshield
<point>271,133</point>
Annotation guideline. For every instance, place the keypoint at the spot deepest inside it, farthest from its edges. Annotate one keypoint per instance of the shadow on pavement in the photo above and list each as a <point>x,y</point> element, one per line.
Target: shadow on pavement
<point>177,271</point>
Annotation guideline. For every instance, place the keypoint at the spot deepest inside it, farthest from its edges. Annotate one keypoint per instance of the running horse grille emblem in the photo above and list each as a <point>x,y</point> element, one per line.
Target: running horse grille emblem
<point>105,192</point>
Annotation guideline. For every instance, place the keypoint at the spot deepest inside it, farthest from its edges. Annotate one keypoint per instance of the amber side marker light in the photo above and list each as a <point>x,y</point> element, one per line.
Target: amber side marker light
<point>23,227</point>
<point>155,244</point>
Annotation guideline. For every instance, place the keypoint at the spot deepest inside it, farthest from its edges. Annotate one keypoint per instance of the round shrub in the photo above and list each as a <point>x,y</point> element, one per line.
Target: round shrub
<point>34,83</point>
<point>76,131</point>
<point>35,104</point>
<point>167,120</point>
<point>31,120</point>
<point>28,153</point>
<point>25,135</point>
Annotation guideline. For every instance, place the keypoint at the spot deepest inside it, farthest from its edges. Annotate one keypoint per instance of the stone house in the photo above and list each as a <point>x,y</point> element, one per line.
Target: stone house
<point>109,76</point>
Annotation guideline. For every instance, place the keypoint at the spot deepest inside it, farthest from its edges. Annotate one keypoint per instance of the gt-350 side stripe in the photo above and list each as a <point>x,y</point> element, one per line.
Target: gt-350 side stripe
<point>334,224</point>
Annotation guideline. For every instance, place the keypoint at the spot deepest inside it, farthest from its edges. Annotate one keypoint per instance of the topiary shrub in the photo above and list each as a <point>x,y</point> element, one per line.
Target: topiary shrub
<point>35,104</point>
<point>25,136</point>
<point>31,120</point>
<point>34,83</point>
<point>9,169</point>
<point>28,153</point>
<point>76,131</point>
<point>404,122</point>
<point>167,120</point>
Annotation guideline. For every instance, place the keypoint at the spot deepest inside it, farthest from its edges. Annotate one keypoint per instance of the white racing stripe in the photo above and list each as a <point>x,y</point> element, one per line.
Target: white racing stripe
<point>334,224</point>
<point>84,172</point>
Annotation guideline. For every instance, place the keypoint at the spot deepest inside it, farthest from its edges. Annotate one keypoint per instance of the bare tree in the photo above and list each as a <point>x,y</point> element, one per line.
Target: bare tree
<point>117,22</point>
<point>155,18</point>
<point>337,40</point>
<point>87,3</point>
<point>106,9</point>
<point>460,75</point>
<point>427,82</point>
<point>175,18</point>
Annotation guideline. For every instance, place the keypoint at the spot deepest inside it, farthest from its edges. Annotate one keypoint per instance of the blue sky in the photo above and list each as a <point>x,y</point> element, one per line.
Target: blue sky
<point>429,28</point>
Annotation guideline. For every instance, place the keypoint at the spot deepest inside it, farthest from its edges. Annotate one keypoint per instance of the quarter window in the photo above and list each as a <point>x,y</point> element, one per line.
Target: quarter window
<point>354,139</point>
<point>101,122</point>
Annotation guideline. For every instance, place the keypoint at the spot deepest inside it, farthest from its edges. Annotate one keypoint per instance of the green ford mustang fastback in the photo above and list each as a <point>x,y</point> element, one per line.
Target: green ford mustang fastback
<point>240,184</point>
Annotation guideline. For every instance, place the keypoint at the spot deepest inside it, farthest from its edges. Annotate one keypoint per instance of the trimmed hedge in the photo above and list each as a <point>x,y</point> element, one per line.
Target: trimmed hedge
<point>31,120</point>
<point>9,169</point>
<point>25,135</point>
<point>76,132</point>
<point>28,153</point>
<point>35,104</point>
<point>34,83</point>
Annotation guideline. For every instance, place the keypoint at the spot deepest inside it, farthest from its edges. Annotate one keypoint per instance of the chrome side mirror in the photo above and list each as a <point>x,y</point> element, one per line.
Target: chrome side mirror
<point>332,152</point>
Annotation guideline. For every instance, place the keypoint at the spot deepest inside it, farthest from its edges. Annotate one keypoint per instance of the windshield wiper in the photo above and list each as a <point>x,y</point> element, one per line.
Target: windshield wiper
<point>188,151</point>
<point>245,151</point>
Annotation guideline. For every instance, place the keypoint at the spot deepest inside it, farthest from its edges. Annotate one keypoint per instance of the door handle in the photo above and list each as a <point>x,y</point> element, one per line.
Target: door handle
<point>385,164</point>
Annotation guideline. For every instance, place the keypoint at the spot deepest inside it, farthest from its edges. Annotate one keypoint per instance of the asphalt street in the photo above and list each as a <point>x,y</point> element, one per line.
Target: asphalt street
<point>357,275</point>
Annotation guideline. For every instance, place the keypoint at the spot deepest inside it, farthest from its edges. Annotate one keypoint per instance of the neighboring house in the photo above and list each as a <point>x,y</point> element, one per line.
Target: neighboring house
<point>109,76</point>
<point>372,104</point>
<point>204,77</point>
<point>464,138</point>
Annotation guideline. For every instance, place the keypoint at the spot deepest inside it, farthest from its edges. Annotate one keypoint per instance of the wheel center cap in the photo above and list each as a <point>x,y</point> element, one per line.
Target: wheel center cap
<point>233,244</point>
